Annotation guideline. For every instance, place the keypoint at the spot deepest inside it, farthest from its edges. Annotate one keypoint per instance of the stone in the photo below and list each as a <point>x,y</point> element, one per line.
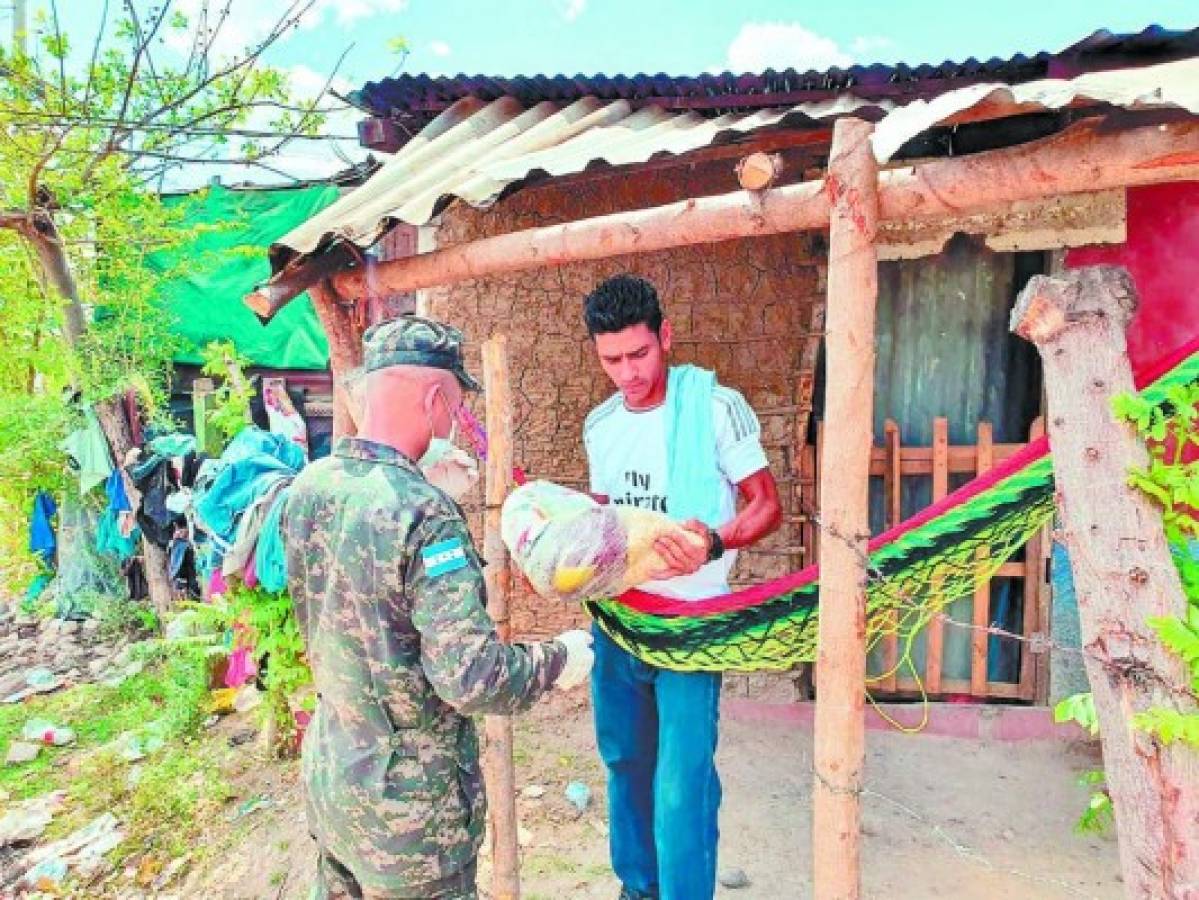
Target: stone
<point>97,665</point>
<point>71,627</point>
<point>19,753</point>
<point>533,792</point>
<point>734,879</point>
<point>11,683</point>
<point>91,626</point>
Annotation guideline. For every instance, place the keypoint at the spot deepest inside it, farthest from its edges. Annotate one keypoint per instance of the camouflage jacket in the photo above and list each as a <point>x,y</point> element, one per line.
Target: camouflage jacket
<point>389,594</point>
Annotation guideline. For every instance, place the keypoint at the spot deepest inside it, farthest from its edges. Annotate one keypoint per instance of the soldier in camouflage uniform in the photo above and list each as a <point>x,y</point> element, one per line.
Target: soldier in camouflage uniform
<point>389,594</point>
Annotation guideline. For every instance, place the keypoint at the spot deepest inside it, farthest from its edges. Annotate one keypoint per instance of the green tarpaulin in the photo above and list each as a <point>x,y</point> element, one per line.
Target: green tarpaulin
<point>224,263</point>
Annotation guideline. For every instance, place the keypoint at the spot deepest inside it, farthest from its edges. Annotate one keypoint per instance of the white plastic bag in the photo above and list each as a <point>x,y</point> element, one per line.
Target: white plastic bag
<point>571,548</point>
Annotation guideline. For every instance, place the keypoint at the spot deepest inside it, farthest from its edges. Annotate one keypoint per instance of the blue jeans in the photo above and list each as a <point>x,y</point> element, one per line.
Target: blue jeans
<point>656,731</point>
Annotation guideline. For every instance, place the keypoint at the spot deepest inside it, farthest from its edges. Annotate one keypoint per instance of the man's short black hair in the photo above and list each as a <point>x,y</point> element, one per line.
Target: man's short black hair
<point>621,302</point>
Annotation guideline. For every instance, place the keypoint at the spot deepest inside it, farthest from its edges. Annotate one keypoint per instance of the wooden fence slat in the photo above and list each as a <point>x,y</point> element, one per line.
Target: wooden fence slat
<point>963,460</point>
<point>893,499</point>
<point>982,590</point>
<point>1032,612</point>
<point>1003,690</point>
<point>893,462</point>
<point>935,647</point>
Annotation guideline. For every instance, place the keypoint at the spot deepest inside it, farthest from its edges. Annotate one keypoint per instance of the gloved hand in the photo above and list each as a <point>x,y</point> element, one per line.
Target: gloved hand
<point>579,658</point>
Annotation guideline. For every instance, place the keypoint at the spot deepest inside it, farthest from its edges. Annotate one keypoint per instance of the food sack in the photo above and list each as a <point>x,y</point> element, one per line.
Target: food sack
<point>570,547</point>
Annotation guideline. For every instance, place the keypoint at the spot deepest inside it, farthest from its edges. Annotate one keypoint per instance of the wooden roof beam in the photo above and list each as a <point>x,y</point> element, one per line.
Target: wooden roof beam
<point>1082,159</point>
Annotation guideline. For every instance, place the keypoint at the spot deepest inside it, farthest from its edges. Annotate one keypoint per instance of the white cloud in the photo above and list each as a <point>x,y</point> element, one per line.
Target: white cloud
<point>868,47</point>
<point>306,82</point>
<point>571,9</point>
<point>350,11</point>
<point>782,45</point>
<point>440,48</point>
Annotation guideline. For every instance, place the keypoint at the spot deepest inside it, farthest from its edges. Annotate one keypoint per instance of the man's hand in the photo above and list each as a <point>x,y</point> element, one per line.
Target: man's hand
<point>683,556</point>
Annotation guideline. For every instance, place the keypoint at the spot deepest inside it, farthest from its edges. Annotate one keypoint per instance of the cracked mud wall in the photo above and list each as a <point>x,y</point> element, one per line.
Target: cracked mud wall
<point>741,307</point>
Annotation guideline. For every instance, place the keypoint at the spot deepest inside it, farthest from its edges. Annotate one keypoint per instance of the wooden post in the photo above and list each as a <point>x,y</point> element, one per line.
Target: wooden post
<point>344,332</point>
<point>1033,566</point>
<point>982,590</point>
<point>499,768</point>
<point>893,501</point>
<point>844,493</point>
<point>758,171</point>
<point>934,648</point>
<point>1122,569</point>
<point>202,390</point>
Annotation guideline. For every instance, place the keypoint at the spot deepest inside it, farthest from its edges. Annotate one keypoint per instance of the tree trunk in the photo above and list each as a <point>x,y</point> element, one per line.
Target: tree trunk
<point>43,234</point>
<point>115,426</point>
<point>344,332</point>
<point>840,738</point>
<point>57,268</point>
<point>1122,568</point>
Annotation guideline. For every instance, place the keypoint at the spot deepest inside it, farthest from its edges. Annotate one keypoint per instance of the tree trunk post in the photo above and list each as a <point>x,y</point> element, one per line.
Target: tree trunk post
<point>115,425</point>
<point>498,762</point>
<point>1122,569</point>
<point>345,351</point>
<point>849,400</point>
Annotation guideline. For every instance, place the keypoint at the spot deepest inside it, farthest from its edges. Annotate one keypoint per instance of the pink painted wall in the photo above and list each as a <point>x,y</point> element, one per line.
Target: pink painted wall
<point>1162,253</point>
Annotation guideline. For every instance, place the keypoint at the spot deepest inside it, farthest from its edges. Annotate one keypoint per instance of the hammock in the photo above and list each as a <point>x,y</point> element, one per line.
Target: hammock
<point>915,569</point>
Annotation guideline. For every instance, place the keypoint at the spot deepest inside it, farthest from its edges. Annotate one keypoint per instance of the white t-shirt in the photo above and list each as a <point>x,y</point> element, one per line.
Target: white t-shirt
<point>626,454</point>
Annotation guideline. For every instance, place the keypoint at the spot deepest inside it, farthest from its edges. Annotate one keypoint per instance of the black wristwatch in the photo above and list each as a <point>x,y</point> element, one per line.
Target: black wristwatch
<point>715,545</point>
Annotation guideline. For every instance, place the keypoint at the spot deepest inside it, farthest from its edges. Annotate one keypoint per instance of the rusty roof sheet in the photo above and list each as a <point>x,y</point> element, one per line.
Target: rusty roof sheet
<point>1171,85</point>
<point>476,149</point>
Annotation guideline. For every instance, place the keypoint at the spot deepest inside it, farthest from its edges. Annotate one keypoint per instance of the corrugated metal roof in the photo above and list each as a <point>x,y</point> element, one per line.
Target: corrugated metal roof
<point>413,97</point>
<point>1168,85</point>
<point>474,150</point>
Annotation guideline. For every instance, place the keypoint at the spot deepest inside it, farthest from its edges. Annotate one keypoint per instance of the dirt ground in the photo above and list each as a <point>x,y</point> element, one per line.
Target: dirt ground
<point>942,818</point>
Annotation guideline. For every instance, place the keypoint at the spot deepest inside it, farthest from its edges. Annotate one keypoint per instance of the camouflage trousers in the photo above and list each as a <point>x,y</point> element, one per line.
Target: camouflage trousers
<point>335,882</point>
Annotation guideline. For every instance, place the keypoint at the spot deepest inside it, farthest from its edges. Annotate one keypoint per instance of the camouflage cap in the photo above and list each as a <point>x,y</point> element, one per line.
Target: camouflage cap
<point>413,341</point>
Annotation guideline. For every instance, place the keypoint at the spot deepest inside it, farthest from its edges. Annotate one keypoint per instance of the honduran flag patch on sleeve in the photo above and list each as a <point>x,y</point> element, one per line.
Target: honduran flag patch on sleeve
<point>444,557</point>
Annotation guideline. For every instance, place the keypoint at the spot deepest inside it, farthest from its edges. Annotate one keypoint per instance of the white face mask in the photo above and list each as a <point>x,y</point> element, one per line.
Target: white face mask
<point>446,466</point>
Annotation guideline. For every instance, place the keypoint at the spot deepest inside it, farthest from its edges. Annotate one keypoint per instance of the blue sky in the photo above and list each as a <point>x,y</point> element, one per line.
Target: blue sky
<point>688,36</point>
<point>507,37</point>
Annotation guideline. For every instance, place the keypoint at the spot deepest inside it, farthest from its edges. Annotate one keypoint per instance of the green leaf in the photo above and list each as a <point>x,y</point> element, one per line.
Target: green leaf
<point>1181,638</point>
<point>1098,817</point>
<point>1169,725</point>
<point>1078,708</point>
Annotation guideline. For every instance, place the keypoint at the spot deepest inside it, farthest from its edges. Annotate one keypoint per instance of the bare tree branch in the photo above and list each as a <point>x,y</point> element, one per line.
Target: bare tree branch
<point>91,68</point>
<point>289,19</point>
<point>14,219</point>
<point>140,52</point>
<point>33,185</point>
<point>145,45</point>
<point>62,57</point>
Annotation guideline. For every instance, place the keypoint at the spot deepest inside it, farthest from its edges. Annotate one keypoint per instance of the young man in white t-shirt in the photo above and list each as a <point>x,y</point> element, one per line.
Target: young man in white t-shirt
<point>657,728</point>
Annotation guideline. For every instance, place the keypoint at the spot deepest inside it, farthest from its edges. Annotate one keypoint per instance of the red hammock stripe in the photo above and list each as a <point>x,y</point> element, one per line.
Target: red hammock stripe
<point>657,605</point>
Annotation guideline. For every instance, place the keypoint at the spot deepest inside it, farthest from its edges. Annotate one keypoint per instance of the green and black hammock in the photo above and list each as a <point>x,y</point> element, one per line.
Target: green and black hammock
<point>916,568</point>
